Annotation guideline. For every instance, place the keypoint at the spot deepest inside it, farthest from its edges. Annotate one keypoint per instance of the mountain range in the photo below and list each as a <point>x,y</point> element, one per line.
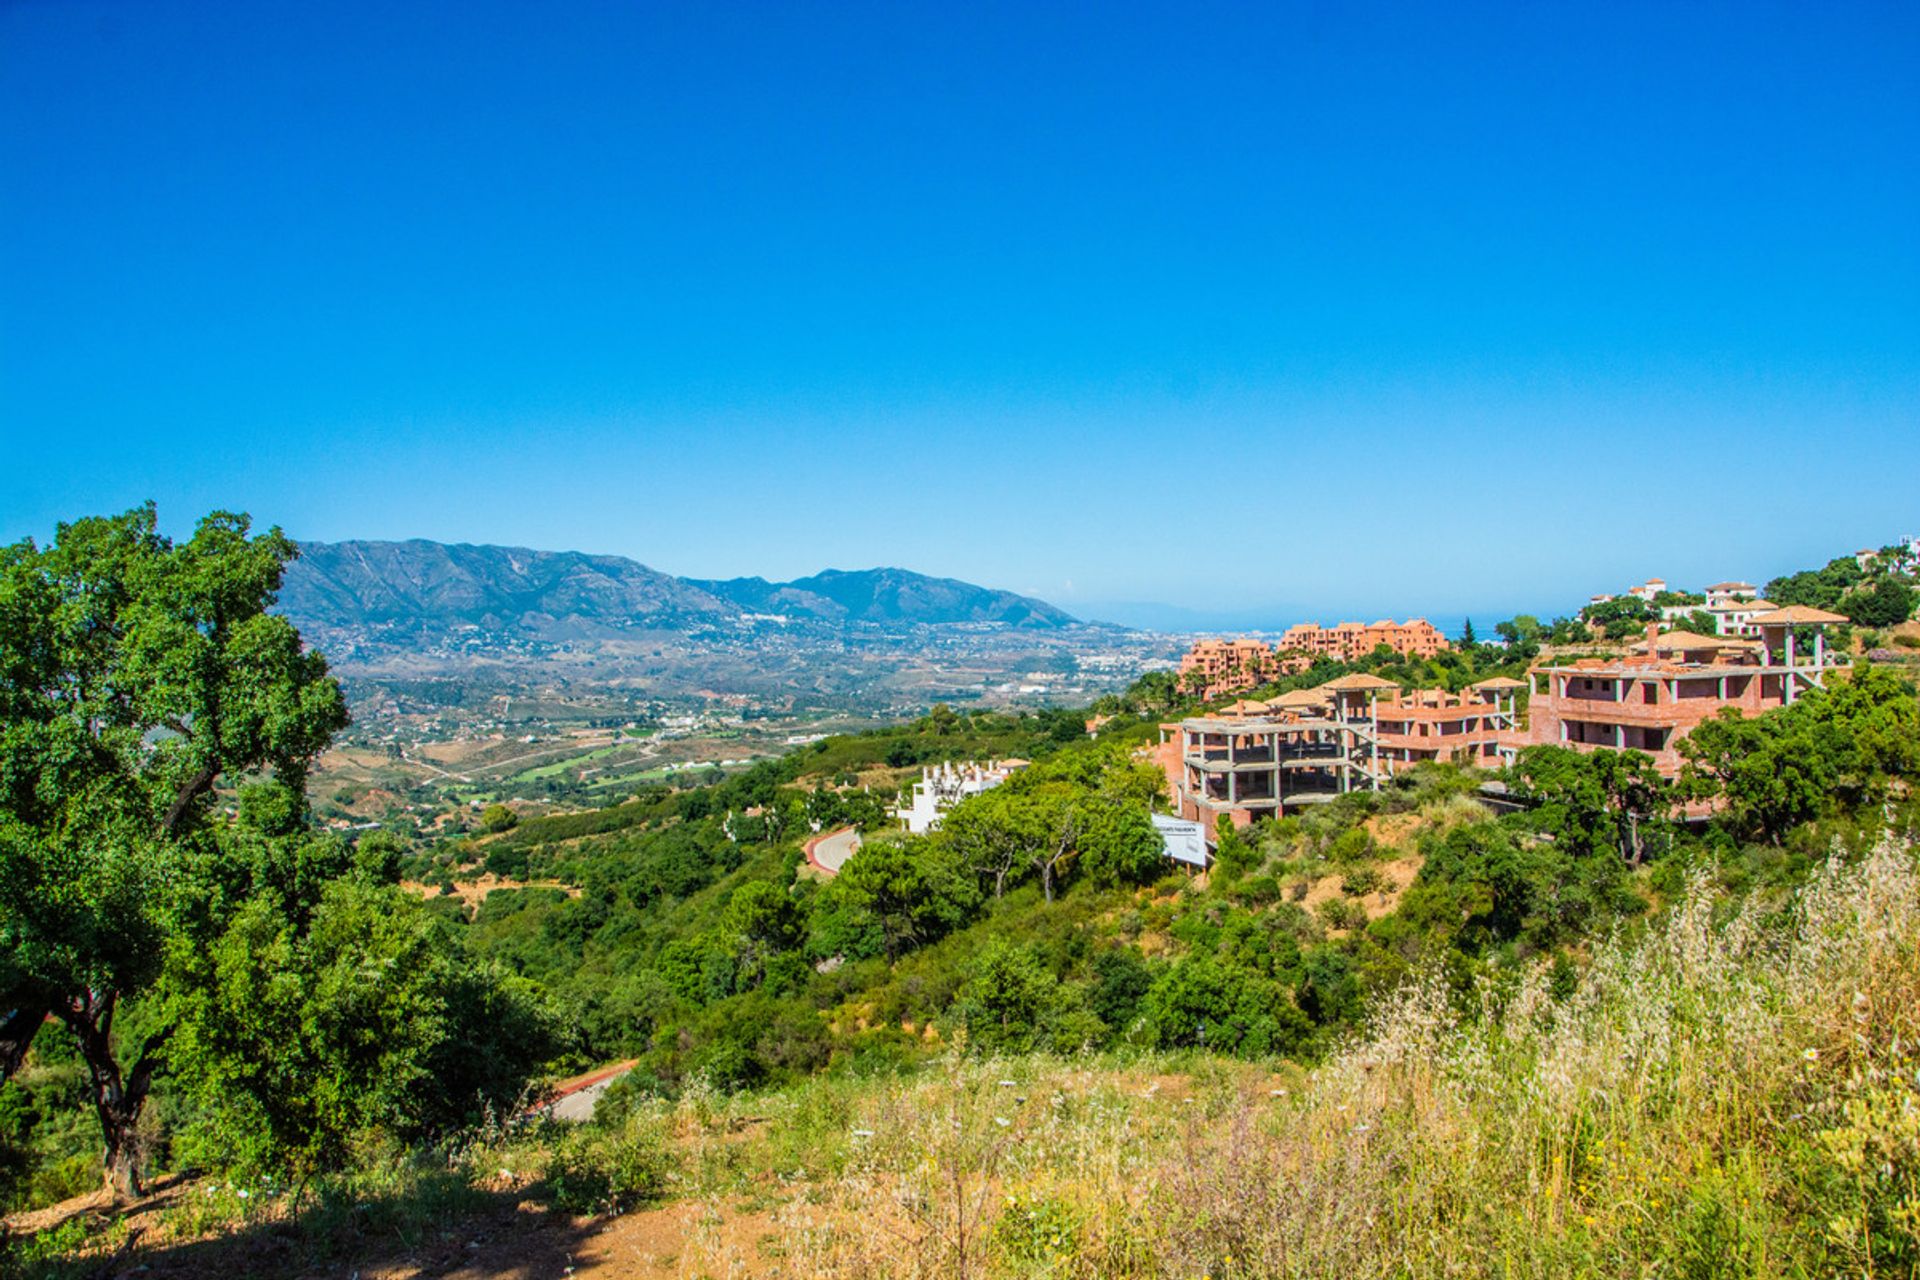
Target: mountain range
<point>433,585</point>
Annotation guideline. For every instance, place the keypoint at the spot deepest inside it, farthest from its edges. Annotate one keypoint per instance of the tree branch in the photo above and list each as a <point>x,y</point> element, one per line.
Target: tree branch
<point>151,1060</point>
<point>191,790</point>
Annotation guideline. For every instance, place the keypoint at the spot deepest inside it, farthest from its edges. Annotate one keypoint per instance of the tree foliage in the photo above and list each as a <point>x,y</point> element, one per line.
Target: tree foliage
<point>1832,748</point>
<point>135,674</point>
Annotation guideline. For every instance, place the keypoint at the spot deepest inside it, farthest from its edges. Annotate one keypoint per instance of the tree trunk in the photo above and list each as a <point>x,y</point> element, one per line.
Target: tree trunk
<point>118,1099</point>
<point>16,1035</point>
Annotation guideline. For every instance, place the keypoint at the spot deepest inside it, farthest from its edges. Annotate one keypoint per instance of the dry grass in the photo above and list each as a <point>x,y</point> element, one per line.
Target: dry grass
<point>1730,1098</point>
<point>1717,1097</point>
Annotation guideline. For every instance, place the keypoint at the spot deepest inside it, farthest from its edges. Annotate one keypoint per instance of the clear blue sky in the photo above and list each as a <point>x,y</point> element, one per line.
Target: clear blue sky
<point>1311,309</point>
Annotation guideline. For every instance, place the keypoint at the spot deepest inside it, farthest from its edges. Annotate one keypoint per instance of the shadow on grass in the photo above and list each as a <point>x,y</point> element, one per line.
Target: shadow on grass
<point>438,1227</point>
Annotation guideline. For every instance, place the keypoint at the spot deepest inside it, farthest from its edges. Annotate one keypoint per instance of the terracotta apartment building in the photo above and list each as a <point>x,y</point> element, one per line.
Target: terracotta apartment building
<point>1416,638</point>
<point>1668,683</point>
<point>1228,666</point>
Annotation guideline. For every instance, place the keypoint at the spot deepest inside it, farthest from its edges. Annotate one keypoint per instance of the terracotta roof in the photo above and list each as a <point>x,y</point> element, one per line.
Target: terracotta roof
<point>1731,586</point>
<point>1244,707</point>
<point>1498,682</point>
<point>1694,640</point>
<point>1736,606</point>
<point>1357,680</point>
<point>1794,615</point>
<point>1300,698</point>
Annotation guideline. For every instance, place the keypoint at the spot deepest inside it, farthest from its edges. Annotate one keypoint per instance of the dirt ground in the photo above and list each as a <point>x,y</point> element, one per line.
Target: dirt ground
<point>474,892</point>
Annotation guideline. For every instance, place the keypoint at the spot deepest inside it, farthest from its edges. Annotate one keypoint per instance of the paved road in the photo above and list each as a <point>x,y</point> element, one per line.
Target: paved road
<point>578,1095</point>
<point>579,1104</point>
<point>831,851</point>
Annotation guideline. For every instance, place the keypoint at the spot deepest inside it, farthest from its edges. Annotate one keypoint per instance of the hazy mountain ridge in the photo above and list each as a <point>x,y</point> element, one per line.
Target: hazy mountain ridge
<point>419,583</point>
<point>886,596</point>
<point>344,584</point>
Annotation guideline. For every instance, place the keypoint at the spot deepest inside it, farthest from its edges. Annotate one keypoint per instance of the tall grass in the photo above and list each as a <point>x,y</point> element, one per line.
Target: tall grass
<point>1716,1097</point>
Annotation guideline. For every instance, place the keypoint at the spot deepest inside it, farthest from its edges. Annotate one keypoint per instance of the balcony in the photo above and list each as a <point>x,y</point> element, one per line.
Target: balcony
<point>1655,715</point>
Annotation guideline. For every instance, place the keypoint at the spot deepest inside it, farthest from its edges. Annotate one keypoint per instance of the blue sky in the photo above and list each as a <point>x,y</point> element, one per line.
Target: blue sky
<point>1256,310</point>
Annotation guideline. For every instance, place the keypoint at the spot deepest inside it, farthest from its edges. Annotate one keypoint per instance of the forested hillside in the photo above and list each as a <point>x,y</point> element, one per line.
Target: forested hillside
<point>204,987</point>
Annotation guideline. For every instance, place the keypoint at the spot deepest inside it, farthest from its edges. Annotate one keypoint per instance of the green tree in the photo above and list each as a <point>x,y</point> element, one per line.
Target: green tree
<point>135,674</point>
<point>498,817</point>
<point>1818,588</point>
<point>1006,1003</point>
<point>1833,748</point>
<point>1598,799</point>
<point>1200,1001</point>
<point>1620,617</point>
<point>914,891</point>
<point>1887,603</point>
<point>767,922</point>
<point>1120,845</point>
<point>1060,819</point>
<point>303,1035</point>
<point>991,833</point>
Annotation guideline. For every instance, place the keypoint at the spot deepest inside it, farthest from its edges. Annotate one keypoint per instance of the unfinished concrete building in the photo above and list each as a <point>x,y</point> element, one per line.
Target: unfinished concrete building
<point>1649,700</point>
<point>1255,759</point>
<point>1475,727</point>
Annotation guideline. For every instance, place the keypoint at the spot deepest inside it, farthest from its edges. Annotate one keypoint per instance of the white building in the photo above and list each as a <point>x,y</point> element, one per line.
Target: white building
<point>945,785</point>
<point>1735,617</point>
<point>1722,593</point>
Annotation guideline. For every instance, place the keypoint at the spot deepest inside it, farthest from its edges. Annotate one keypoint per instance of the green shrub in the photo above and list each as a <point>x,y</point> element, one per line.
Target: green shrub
<point>1341,914</point>
<point>594,1170</point>
<point>1259,890</point>
<point>1361,881</point>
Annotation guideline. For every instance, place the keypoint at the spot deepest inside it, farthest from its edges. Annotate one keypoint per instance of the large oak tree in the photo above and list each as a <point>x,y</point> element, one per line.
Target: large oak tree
<point>137,677</point>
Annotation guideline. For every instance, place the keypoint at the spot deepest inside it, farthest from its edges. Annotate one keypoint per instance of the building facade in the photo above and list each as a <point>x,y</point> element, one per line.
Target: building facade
<point>1216,667</point>
<point>1476,727</point>
<point>1415,638</point>
<point>1649,700</point>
